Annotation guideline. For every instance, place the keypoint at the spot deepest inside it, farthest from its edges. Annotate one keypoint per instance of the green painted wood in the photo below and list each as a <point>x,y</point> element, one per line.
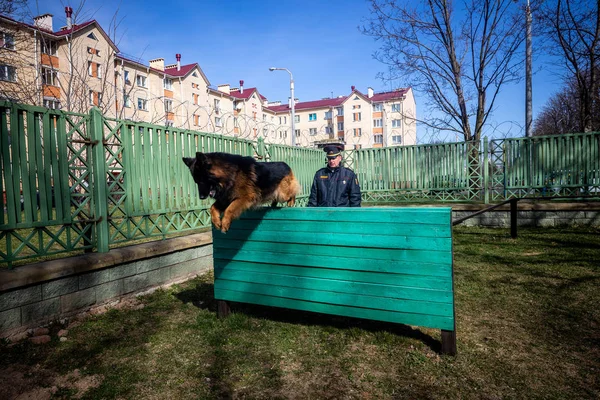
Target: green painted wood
<point>319,253</point>
<point>360,263</point>
<point>326,267</point>
<point>309,271</point>
<point>343,239</point>
<point>276,278</point>
<point>348,227</point>
<point>429,321</point>
<point>339,298</point>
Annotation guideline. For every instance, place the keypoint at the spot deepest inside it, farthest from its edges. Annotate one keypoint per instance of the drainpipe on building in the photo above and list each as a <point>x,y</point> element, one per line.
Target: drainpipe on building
<point>37,72</point>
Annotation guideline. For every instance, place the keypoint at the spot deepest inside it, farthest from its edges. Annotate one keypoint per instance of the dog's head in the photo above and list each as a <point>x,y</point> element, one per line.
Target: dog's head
<point>200,167</point>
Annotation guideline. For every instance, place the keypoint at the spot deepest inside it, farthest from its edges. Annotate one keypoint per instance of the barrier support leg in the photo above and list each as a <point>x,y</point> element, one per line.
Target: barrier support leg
<point>223,309</point>
<point>449,342</point>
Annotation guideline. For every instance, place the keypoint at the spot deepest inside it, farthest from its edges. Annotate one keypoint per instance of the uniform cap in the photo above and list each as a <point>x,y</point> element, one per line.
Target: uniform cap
<point>333,151</point>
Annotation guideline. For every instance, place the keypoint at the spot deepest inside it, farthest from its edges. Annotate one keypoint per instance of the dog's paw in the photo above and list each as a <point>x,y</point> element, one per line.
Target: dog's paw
<point>225,226</point>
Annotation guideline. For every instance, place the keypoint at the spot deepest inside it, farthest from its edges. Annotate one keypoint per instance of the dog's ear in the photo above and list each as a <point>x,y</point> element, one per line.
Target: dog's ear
<point>202,158</point>
<point>188,161</point>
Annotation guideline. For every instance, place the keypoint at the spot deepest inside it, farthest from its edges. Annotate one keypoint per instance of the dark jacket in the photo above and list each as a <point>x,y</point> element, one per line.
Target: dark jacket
<point>334,188</point>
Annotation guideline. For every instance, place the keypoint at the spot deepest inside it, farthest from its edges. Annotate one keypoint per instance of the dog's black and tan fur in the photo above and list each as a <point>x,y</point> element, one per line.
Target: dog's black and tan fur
<point>238,183</point>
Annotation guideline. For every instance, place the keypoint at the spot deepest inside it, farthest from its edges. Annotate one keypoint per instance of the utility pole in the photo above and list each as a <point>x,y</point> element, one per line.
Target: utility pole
<point>528,72</point>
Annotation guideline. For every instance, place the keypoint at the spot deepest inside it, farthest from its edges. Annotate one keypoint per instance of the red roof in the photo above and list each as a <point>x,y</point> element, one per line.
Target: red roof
<point>385,96</point>
<point>325,103</point>
<point>246,95</point>
<point>75,28</point>
<point>183,70</point>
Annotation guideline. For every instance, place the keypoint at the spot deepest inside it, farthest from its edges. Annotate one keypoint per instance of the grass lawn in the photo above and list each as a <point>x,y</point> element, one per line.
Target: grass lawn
<point>528,326</point>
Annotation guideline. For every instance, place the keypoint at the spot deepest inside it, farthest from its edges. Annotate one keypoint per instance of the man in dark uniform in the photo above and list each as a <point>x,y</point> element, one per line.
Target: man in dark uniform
<point>334,185</point>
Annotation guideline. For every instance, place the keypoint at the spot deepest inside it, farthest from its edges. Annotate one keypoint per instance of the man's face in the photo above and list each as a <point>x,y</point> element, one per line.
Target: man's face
<point>334,162</point>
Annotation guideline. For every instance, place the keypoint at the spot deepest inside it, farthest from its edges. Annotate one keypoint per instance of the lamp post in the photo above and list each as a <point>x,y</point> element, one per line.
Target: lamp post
<point>292,101</point>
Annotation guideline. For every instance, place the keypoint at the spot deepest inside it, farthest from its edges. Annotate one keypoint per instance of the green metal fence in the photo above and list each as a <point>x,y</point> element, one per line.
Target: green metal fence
<point>561,165</point>
<point>83,182</point>
<point>443,172</point>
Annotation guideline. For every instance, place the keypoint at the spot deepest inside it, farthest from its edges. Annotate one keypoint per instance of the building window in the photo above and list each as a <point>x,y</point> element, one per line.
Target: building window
<point>52,104</point>
<point>357,146</point>
<point>218,122</point>
<point>126,100</point>
<point>94,70</point>
<point>95,98</point>
<point>312,131</point>
<point>265,132</point>
<point>297,132</point>
<point>356,116</point>
<point>141,81</point>
<point>340,126</point>
<point>395,123</point>
<point>196,119</point>
<point>92,36</point>
<point>195,98</point>
<point>378,123</point>
<point>328,129</point>
<point>282,134</point>
<point>168,84</point>
<point>126,77</point>
<point>264,117</point>
<point>296,118</point>
<point>377,107</point>
<point>169,123</point>
<point>168,105</point>
<point>312,117</point>
<point>328,115</point>
<point>49,77</point>
<point>48,47</point>
<point>217,106</point>
<point>7,41</point>
<point>378,138</point>
<point>397,139</point>
<point>356,106</point>
<point>142,104</point>
<point>340,111</point>
<point>357,132</point>
<point>396,107</point>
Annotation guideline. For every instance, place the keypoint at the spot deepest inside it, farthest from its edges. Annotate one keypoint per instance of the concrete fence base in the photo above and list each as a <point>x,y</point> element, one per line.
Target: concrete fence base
<point>532,214</point>
<point>37,294</point>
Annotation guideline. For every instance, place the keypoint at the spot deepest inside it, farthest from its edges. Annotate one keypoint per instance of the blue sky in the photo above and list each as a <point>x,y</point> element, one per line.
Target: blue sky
<point>317,40</point>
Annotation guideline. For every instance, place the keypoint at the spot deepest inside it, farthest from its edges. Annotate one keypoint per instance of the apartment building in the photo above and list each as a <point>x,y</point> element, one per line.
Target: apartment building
<point>359,120</point>
<point>78,66</point>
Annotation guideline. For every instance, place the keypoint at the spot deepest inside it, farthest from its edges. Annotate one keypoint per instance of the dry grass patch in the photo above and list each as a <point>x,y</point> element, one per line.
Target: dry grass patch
<point>527,327</point>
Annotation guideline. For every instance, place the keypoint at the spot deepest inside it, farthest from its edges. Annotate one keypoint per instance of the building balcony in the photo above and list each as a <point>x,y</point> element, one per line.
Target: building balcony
<point>51,91</point>
<point>48,60</point>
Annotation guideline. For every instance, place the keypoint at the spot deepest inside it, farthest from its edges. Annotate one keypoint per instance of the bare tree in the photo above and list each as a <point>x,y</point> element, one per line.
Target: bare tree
<point>572,29</point>
<point>562,112</point>
<point>459,59</point>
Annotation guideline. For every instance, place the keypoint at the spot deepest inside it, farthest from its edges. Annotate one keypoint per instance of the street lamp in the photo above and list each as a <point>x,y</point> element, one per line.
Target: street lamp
<point>293,105</point>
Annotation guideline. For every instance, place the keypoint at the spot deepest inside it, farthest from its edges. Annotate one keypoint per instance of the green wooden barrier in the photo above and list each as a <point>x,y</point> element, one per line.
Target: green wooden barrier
<point>385,264</point>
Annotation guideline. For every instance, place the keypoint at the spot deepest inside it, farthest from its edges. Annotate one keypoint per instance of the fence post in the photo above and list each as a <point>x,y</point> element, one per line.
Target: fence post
<point>99,179</point>
<point>486,170</point>
<point>260,148</point>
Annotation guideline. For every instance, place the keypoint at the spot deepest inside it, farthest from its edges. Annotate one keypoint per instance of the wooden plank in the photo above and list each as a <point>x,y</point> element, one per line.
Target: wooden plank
<point>353,264</point>
<point>368,228</point>
<point>337,298</point>
<point>380,289</point>
<point>338,240</point>
<point>409,280</point>
<point>429,321</point>
<point>424,215</point>
<point>350,255</point>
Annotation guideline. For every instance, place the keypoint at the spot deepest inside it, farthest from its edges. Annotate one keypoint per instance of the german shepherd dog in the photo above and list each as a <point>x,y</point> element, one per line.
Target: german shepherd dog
<point>238,183</point>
